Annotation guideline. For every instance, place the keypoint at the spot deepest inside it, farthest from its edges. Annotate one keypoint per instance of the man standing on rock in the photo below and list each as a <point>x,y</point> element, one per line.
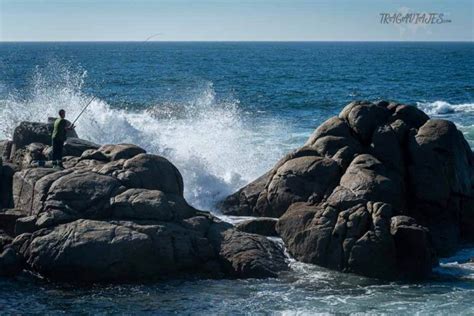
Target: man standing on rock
<point>61,126</point>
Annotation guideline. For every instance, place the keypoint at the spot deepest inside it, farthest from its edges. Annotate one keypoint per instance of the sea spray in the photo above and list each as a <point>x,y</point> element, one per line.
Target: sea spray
<point>217,147</point>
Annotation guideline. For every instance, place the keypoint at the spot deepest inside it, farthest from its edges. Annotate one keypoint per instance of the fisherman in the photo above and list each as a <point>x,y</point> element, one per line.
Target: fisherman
<point>61,126</point>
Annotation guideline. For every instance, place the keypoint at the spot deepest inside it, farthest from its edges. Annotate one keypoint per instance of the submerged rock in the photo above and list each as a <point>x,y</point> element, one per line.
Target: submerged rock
<point>370,189</point>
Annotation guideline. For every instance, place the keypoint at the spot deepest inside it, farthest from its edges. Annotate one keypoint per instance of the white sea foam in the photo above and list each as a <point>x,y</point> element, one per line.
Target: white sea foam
<point>445,108</point>
<point>214,144</point>
<point>460,265</point>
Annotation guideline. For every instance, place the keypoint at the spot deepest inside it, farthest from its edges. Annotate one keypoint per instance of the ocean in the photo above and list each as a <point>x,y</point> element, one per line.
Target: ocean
<point>224,113</point>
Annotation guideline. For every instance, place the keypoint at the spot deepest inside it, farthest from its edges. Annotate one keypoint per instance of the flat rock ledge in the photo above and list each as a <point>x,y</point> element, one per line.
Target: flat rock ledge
<point>381,190</point>
<point>114,214</point>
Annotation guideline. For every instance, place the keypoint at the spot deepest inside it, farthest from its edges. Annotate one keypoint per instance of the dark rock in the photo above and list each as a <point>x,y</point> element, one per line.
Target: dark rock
<point>364,117</point>
<point>121,151</point>
<point>146,171</point>
<point>24,187</point>
<point>10,263</point>
<point>150,204</point>
<point>441,174</point>
<point>75,146</point>
<point>415,255</point>
<point>410,115</point>
<point>87,250</point>
<point>118,214</point>
<point>94,154</point>
<point>261,226</point>
<point>369,179</point>
<point>8,219</point>
<point>356,240</point>
<point>5,149</point>
<point>250,256</point>
<point>297,180</point>
<point>5,240</point>
<point>389,156</point>
<point>25,224</point>
<point>7,170</point>
<point>243,202</point>
<point>33,132</point>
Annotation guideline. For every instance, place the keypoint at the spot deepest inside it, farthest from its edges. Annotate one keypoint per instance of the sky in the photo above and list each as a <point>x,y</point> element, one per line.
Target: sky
<point>230,20</point>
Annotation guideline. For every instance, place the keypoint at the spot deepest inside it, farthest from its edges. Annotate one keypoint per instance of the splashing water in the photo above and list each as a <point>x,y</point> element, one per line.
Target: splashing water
<point>216,146</point>
<point>445,108</point>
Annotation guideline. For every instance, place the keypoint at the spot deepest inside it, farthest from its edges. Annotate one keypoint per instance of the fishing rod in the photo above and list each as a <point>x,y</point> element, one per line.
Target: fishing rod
<point>87,105</point>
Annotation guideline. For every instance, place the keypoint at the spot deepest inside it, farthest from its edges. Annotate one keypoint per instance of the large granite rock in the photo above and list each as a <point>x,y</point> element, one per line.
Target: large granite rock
<point>34,132</point>
<point>262,226</point>
<point>369,189</point>
<point>116,213</point>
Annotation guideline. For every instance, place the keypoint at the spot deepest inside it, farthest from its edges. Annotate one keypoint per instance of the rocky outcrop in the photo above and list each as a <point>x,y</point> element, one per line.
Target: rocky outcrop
<point>116,213</point>
<point>381,190</point>
<point>262,226</point>
<point>33,132</point>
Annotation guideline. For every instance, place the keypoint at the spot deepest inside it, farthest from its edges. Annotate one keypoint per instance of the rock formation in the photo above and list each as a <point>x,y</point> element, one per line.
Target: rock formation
<point>381,190</point>
<point>115,213</point>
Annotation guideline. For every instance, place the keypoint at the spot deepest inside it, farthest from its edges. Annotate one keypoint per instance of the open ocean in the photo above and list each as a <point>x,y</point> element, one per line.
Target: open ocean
<point>224,113</point>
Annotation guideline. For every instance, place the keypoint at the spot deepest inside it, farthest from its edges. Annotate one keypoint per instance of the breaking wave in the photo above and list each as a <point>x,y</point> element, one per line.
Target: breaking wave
<point>216,146</point>
<point>445,108</point>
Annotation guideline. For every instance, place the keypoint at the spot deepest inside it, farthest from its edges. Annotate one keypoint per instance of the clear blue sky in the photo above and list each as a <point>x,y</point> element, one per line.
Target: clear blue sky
<point>231,20</point>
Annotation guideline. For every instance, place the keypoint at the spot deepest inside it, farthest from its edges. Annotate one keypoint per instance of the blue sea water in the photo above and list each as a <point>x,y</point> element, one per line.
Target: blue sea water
<point>224,113</point>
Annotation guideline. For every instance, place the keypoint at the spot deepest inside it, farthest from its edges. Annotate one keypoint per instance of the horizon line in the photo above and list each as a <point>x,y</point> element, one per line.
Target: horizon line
<point>238,41</point>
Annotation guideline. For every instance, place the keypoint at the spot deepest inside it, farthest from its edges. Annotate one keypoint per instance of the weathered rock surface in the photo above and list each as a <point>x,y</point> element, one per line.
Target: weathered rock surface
<point>381,190</point>
<point>74,146</point>
<point>34,132</point>
<point>116,213</point>
<point>262,226</point>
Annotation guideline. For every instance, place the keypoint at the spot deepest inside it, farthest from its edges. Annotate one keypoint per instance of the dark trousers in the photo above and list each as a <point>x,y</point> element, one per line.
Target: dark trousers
<point>58,149</point>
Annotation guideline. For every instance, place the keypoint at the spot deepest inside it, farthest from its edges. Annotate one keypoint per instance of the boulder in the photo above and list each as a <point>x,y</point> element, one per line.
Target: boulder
<point>146,171</point>
<point>81,194</point>
<point>369,179</point>
<point>363,117</point>
<point>361,239</point>
<point>382,153</point>
<point>117,214</point>
<point>441,178</point>
<point>87,250</point>
<point>34,132</point>
<point>296,180</point>
<point>297,177</point>
<point>261,226</point>
<point>151,205</point>
<point>74,146</point>
<point>93,154</point>
<point>24,187</point>
<point>121,151</point>
<point>91,251</point>
<point>247,255</point>
<point>243,202</point>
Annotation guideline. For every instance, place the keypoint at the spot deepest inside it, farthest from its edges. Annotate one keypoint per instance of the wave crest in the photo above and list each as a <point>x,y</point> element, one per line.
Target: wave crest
<point>445,108</point>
